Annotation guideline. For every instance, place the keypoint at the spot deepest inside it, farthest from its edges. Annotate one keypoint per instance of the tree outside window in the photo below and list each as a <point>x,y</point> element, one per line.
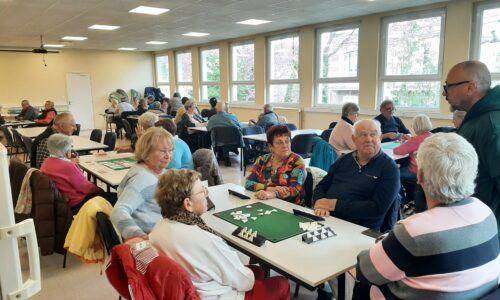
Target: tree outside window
<point>243,73</point>
<point>283,68</point>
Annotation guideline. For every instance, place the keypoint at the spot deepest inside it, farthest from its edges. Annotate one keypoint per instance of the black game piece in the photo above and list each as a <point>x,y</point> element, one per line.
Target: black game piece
<point>307,215</point>
<point>239,195</point>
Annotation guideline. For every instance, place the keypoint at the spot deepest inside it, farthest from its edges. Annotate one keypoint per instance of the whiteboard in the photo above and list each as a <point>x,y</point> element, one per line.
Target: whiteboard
<point>79,91</point>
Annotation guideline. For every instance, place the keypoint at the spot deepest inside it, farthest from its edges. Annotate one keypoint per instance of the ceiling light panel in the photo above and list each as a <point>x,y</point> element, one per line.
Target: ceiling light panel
<point>104,27</point>
<point>196,34</point>
<point>149,10</point>
<point>253,22</point>
<point>53,46</point>
<point>127,49</point>
<point>156,43</point>
<point>74,38</point>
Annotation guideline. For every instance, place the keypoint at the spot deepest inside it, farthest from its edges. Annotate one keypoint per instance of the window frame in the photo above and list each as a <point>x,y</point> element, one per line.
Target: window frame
<point>232,82</point>
<point>270,81</point>
<point>317,78</point>
<point>475,52</point>
<point>159,82</point>
<point>208,83</point>
<point>410,78</point>
<point>183,83</point>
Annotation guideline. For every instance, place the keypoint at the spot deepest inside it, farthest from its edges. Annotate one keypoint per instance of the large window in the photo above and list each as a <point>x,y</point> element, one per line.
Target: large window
<point>243,72</point>
<point>210,74</point>
<point>487,38</point>
<point>411,63</point>
<point>162,75</point>
<point>283,69</point>
<point>184,66</point>
<point>337,65</point>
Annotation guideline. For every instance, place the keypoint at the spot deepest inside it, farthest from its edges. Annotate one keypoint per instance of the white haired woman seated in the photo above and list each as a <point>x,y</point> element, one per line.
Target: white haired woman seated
<point>68,176</point>
<point>146,120</point>
<point>214,268</point>
<point>451,250</point>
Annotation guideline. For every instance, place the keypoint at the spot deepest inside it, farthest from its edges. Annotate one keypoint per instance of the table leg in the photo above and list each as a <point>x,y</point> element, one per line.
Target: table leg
<point>341,287</point>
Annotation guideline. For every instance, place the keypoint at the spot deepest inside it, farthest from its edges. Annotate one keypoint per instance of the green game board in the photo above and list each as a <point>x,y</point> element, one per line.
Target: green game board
<point>391,145</point>
<point>118,164</point>
<point>275,227</point>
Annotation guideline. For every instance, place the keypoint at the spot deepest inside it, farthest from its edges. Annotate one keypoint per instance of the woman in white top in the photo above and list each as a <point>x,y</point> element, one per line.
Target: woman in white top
<point>341,136</point>
<point>214,268</point>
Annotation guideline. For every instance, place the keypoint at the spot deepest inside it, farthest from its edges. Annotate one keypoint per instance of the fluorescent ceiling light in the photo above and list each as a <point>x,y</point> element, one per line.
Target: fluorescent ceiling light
<point>149,10</point>
<point>253,22</point>
<point>197,34</point>
<point>127,49</point>
<point>53,46</point>
<point>156,43</point>
<point>104,27</point>
<point>74,38</point>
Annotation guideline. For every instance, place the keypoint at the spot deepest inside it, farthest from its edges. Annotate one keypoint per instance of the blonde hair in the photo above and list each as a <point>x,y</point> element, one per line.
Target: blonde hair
<point>173,187</point>
<point>148,140</point>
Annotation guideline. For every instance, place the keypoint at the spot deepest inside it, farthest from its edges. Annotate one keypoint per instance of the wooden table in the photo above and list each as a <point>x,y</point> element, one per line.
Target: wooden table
<point>261,137</point>
<point>110,177</point>
<point>309,264</point>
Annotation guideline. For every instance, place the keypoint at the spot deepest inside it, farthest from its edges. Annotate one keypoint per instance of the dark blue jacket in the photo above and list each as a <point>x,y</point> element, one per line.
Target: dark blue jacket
<point>394,124</point>
<point>366,196</point>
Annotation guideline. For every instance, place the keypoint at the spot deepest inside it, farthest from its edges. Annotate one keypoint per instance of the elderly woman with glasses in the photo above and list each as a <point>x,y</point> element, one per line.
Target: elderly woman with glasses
<point>67,175</point>
<point>214,268</point>
<point>136,212</point>
<point>392,126</point>
<point>451,250</point>
<point>281,173</point>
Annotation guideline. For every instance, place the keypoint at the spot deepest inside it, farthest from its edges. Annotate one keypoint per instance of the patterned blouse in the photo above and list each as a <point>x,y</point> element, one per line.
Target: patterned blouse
<point>291,174</point>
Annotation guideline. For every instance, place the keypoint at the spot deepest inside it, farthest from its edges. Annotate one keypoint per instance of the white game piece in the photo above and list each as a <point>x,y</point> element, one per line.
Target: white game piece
<point>239,212</point>
<point>274,210</point>
<point>247,215</point>
<point>254,234</point>
<point>260,209</point>
<point>248,206</point>
<point>268,212</point>
<point>253,218</point>
<point>232,213</point>
<point>244,220</point>
<point>260,214</point>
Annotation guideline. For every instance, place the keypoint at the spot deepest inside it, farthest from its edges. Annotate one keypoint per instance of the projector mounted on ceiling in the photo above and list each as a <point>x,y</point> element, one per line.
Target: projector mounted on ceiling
<point>41,50</point>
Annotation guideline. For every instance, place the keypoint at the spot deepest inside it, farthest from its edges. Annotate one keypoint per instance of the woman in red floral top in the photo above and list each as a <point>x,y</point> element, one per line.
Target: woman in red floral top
<point>279,174</point>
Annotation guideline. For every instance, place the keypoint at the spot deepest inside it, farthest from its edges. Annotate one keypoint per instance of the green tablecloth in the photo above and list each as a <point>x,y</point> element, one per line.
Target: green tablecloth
<point>275,227</point>
<point>118,164</point>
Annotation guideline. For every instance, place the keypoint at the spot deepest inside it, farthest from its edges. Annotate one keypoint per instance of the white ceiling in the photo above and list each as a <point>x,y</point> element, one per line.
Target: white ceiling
<point>22,21</point>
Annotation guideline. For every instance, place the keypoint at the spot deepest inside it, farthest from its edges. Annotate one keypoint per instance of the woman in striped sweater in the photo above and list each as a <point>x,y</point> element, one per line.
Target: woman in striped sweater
<point>450,251</point>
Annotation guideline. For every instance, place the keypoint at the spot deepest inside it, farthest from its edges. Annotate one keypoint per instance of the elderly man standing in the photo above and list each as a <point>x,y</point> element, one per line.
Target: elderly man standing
<point>64,123</point>
<point>223,119</point>
<point>361,187</point>
<point>451,250</point>
<point>28,112</point>
<point>467,88</point>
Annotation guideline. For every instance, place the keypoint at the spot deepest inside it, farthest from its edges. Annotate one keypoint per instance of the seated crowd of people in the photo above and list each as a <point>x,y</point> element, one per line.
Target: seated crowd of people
<point>449,249</point>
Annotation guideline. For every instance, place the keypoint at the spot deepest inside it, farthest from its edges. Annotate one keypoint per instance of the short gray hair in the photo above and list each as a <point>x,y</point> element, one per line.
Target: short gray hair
<point>156,105</point>
<point>189,104</point>
<point>385,103</point>
<point>459,114</point>
<point>349,108</point>
<point>59,145</point>
<point>479,73</point>
<point>148,120</point>
<point>421,123</point>
<point>268,107</point>
<point>375,122</point>
<point>449,167</point>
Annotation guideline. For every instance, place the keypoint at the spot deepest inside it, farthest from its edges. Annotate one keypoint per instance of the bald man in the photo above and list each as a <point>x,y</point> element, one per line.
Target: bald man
<point>64,123</point>
<point>468,88</point>
<point>223,119</point>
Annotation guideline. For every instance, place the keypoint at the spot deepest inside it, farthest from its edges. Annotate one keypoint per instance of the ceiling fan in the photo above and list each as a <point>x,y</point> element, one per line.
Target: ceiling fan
<point>41,50</point>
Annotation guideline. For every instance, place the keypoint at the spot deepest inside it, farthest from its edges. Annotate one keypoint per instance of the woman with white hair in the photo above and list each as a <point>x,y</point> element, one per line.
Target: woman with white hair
<point>67,175</point>
<point>422,126</point>
<point>458,117</point>
<point>450,251</point>
<point>341,136</point>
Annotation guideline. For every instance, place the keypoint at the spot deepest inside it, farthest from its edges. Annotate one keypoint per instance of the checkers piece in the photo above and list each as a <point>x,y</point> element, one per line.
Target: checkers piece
<point>318,235</point>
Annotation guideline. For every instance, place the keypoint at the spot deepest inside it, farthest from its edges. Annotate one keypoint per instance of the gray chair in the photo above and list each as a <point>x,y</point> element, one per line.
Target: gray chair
<point>110,141</point>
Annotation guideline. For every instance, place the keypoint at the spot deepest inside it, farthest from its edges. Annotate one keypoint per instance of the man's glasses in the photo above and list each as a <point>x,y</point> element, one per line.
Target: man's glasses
<point>449,85</point>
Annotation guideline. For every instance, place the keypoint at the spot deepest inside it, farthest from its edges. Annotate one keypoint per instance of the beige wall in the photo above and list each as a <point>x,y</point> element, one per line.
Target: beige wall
<point>23,76</point>
<point>458,28</point>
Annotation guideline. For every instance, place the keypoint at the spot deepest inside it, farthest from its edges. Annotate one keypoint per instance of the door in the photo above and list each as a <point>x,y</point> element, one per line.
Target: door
<point>79,93</point>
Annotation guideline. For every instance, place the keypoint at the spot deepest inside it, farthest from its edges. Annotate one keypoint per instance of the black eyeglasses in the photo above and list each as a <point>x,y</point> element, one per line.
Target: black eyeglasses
<point>449,85</point>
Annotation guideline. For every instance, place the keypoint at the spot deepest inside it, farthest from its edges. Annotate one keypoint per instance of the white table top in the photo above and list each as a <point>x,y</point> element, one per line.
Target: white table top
<point>312,264</point>
<point>85,144</point>
<point>18,123</point>
<point>263,138</point>
<point>105,174</point>
<point>201,128</point>
<point>389,152</point>
<point>31,132</point>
